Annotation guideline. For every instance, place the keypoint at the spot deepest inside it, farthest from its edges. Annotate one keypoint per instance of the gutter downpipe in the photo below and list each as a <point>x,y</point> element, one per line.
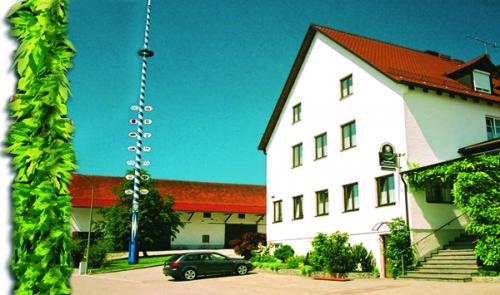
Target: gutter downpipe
<point>407,218</point>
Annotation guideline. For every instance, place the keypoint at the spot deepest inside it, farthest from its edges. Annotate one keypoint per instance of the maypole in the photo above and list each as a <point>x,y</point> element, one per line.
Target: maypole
<point>133,254</point>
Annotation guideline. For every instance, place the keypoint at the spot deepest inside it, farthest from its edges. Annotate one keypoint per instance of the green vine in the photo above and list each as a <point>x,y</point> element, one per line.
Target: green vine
<point>398,252</point>
<point>476,192</point>
<point>39,142</point>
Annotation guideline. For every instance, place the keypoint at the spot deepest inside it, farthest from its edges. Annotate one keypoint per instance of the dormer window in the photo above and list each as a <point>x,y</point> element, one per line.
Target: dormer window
<point>481,81</point>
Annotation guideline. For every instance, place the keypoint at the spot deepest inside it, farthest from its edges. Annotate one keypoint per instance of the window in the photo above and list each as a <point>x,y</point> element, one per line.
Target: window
<point>207,215</point>
<point>346,86</point>
<point>322,203</point>
<point>439,194</point>
<point>349,135</point>
<point>351,200</point>
<point>321,146</point>
<point>492,127</point>
<point>297,208</point>
<point>277,211</point>
<point>385,190</point>
<point>296,113</point>
<point>297,155</point>
<point>205,238</point>
<point>241,215</point>
<point>481,81</point>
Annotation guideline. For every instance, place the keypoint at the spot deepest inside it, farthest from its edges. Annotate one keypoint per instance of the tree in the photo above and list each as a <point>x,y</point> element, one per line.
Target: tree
<point>248,243</point>
<point>157,221</point>
<point>39,142</point>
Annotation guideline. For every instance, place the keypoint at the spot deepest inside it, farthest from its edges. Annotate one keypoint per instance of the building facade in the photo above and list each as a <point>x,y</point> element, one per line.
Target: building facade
<point>214,213</point>
<point>353,114</point>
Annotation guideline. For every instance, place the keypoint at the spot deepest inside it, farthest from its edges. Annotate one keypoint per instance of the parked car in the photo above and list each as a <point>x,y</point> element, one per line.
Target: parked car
<point>189,266</point>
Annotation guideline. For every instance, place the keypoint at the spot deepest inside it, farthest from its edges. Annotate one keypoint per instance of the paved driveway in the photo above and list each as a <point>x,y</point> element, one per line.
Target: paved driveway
<point>152,281</point>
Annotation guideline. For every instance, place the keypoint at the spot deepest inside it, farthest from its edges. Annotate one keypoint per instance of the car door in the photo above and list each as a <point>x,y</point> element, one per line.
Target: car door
<point>220,263</point>
<point>198,262</point>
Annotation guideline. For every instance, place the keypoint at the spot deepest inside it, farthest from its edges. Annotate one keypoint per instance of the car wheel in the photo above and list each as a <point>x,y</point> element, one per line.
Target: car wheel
<point>242,269</point>
<point>190,274</point>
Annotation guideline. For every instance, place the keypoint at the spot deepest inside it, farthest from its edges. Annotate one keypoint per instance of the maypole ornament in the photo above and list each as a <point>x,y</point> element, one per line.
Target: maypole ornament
<point>133,253</point>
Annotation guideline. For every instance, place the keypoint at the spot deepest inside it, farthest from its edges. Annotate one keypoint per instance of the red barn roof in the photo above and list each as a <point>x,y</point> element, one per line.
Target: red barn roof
<point>188,195</point>
<point>402,65</point>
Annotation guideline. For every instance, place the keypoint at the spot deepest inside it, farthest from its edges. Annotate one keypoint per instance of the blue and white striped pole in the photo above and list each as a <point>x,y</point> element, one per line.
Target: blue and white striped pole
<point>133,257</point>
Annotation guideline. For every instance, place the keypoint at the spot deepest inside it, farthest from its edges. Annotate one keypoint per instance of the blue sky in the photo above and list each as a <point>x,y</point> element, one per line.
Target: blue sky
<point>218,69</point>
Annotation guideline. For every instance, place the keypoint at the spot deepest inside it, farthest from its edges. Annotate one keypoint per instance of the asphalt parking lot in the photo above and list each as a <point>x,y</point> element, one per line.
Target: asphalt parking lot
<point>152,281</point>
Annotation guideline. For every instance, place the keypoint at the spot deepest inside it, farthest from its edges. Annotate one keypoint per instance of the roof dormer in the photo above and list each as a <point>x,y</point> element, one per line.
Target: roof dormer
<point>475,74</point>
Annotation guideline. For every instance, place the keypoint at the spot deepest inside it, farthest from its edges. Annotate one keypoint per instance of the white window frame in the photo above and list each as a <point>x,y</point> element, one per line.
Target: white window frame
<point>481,81</point>
<point>495,127</point>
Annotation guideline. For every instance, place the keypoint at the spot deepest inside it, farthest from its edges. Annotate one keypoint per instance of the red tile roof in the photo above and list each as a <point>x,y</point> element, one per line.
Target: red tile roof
<point>408,65</point>
<point>188,195</point>
<point>402,65</point>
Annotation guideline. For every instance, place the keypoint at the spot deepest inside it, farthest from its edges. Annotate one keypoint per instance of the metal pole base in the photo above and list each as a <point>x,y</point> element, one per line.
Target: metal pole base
<point>133,252</point>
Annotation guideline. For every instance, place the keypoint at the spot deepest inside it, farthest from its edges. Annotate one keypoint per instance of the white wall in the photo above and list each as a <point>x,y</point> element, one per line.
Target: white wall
<point>437,125</point>
<point>191,235</point>
<point>378,111</point>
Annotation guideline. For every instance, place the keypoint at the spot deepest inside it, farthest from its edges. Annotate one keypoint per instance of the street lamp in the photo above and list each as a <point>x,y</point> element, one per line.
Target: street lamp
<point>90,223</point>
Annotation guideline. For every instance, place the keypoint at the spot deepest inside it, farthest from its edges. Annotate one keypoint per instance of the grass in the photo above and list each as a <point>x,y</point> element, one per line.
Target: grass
<point>122,264</point>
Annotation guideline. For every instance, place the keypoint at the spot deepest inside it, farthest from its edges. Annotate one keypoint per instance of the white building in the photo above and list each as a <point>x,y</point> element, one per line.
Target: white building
<point>346,97</point>
<point>214,213</point>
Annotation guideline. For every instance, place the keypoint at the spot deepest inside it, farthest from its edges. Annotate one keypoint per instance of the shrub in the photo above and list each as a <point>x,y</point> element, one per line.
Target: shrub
<point>363,259</point>
<point>295,261</point>
<point>77,251</point>
<point>306,269</point>
<point>397,244</point>
<point>98,253</point>
<point>248,242</point>
<point>332,253</point>
<point>263,258</point>
<point>284,252</point>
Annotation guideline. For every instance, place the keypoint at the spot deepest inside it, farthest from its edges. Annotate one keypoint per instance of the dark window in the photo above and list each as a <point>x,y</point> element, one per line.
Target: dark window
<point>351,200</point>
<point>492,128</point>
<point>348,135</point>
<point>385,190</point>
<point>297,109</point>
<point>346,86</point>
<point>241,215</point>
<point>322,203</point>
<point>297,155</point>
<point>207,215</point>
<point>439,193</point>
<point>277,211</point>
<point>321,144</point>
<point>205,238</point>
<point>297,208</point>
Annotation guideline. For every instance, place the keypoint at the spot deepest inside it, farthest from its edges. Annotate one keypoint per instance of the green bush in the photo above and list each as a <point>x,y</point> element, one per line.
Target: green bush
<point>263,258</point>
<point>98,253</point>
<point>363,259</point>
<point>332,253</point>
<point>306,270</point>
<point>295,261</point>
<point>77,251</point>
<point>283,252</point>
<point>270,265</point>
<point>397,244</point>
